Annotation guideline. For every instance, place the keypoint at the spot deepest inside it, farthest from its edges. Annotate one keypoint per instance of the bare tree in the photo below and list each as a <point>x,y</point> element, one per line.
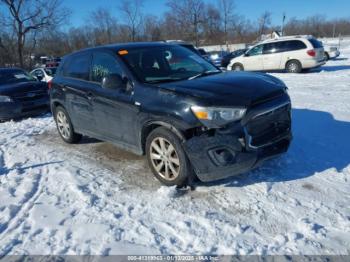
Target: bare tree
<point>132,10</point>
<point>264,22</point>
<point>227,11</point>
<point>27,16</point>
<point>103,25</point>
<point>212,25</point>
<point>152,29</point>
<point>189,16</point>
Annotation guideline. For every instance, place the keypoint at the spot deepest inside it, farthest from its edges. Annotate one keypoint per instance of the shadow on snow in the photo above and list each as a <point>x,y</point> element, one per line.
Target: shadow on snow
<point>21,170</point>
<point>330,68</point>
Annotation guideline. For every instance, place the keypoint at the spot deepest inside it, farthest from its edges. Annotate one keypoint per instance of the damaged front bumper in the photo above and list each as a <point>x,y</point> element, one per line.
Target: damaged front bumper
<point>220,157</point>
<point>241,147</point>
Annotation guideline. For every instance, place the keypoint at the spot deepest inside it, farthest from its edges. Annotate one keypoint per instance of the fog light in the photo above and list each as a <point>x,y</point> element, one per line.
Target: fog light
<point>223,157</point>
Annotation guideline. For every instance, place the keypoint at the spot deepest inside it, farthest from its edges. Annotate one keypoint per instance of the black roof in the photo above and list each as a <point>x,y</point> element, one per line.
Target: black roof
<point>122,46</point>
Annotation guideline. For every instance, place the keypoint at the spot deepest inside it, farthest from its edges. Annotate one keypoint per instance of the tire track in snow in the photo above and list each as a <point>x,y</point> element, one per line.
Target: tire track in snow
<point>2,163</point>
<point>20,214</point>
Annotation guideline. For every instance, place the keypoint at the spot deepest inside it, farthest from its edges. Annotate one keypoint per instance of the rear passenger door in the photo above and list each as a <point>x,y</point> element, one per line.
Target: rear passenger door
<point>272,56</point>
<point>292,49</point>
<point>78,92</point>
<point>114,109</point>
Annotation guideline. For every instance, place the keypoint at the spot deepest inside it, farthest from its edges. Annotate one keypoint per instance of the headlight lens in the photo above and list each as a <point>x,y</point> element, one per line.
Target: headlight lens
<point>5,99</point>
<point>216,116</point>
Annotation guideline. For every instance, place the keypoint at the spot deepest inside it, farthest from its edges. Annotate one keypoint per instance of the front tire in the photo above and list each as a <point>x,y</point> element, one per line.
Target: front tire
<point>65,127</point>
<point>167,159</point>
<point>294,66</point>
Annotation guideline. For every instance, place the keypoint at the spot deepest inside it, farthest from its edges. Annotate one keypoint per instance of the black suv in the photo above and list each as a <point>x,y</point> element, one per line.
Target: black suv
<point>169,103</point>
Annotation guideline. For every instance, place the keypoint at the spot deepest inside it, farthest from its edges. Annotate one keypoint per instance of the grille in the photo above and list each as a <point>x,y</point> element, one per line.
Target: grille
<point>269,127</point>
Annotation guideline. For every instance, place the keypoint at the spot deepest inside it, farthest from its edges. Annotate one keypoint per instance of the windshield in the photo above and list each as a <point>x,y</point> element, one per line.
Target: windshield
<point>166,63</point>
<point>14,76</point>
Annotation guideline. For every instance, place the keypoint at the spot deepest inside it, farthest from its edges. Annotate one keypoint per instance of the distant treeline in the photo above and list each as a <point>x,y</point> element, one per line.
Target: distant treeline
<point>32,28</point>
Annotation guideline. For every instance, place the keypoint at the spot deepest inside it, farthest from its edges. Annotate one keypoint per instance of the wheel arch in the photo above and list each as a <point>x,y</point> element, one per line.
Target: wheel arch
<point>327,55</point>
<point>54,105</point>
<point>239,64</point>
<point>151,125</point>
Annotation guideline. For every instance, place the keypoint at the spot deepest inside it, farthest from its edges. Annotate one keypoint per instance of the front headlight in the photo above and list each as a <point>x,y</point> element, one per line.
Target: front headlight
<point>5,99</point>
<point>217,116</point>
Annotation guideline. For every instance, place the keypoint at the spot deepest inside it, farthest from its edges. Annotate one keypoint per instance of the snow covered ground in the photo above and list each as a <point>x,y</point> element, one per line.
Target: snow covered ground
<point>92,198</point>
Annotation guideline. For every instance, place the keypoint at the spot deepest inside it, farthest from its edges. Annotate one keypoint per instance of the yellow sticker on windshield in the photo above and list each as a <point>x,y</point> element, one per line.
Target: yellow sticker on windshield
<point>123,52</point>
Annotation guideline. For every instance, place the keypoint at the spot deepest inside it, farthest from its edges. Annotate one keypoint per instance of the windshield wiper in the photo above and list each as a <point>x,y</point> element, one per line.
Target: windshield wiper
<point>205,73</point>
<point>163,80</point>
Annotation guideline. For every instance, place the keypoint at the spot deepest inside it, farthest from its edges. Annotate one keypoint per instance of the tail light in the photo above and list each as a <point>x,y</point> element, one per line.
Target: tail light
<point>311,53</point>
<point>49,84</point>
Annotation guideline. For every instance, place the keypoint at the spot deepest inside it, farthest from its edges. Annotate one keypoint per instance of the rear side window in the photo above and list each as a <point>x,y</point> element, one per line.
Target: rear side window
<point>315,43</point>
<point>292,45</point>
<point>78,66</point>
<point>104,64</point>
<point>272,48</point>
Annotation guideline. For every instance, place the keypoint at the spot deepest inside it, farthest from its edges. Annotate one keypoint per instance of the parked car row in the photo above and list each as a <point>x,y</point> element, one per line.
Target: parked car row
<point>169,101</point>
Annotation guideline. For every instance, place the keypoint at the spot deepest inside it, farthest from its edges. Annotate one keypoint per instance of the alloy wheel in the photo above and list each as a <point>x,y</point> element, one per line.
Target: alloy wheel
<point>164,159</point>
<point>293,67</point>
<point>63,125</point>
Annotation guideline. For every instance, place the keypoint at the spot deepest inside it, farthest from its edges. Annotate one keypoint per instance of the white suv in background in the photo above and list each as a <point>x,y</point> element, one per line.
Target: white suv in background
<point>290,53</point>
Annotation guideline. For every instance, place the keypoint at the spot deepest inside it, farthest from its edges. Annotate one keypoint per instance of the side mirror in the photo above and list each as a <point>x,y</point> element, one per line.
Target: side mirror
<point>246,54</point>
<point>114,82</point>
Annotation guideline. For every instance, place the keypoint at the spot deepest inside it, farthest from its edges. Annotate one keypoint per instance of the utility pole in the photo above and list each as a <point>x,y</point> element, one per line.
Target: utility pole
<point>283,20</point>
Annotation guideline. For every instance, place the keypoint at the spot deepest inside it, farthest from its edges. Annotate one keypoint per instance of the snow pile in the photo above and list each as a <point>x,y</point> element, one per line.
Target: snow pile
<point>92,198</point>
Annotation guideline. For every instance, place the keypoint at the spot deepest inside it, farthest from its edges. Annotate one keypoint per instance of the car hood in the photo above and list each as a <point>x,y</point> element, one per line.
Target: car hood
<point>24,87</point>
<point>231,88</point>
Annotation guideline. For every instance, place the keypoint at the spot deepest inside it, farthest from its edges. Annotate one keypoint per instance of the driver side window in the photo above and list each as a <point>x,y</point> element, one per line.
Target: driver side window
<point>103,65</point>
<point>256,50</point>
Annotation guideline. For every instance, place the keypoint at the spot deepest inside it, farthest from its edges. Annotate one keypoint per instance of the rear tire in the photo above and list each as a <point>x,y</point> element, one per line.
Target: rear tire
<point>294,66</point>
<point>65,127</point>
<point>167,159</point>
<point>326,56</point>
<point>237,67</point>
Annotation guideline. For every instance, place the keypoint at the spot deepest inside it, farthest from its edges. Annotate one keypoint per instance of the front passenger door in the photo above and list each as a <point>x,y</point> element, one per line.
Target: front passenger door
<point>272,56</point>
<point>253,60</point>
<point>114,109</point>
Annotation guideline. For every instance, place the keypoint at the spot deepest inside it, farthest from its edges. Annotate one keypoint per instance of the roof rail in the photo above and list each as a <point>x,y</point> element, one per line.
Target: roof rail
<point>286,37</point>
